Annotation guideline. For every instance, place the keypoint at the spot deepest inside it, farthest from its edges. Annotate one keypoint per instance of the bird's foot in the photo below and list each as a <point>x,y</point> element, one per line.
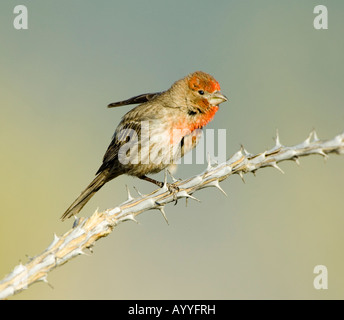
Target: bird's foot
<point>173,189</point>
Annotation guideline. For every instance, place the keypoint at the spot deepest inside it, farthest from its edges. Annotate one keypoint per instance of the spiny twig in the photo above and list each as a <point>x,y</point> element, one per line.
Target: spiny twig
<point>86,231</point>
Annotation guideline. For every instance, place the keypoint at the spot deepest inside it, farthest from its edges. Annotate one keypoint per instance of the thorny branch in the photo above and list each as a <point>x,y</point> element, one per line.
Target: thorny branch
<point>86,231</point>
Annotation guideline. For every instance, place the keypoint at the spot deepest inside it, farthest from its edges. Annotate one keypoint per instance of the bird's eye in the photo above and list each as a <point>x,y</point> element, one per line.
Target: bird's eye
<point>201,92</point>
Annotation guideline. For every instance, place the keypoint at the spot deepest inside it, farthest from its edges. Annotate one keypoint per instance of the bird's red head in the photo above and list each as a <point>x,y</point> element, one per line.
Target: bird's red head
<point>201,81</point>
<point>202,96</point>
<point>204,90</point>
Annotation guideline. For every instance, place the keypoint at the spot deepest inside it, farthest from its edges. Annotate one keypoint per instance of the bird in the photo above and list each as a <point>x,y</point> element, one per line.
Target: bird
<point>156,133</point>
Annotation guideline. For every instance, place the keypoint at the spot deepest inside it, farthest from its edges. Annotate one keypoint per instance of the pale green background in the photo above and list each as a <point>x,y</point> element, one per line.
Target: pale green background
<point>264,240</point>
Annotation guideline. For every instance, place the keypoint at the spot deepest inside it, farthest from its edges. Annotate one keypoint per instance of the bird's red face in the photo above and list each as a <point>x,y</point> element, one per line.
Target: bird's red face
<point>203,97</point>
<point>202,81</point>
<point>205,90</point>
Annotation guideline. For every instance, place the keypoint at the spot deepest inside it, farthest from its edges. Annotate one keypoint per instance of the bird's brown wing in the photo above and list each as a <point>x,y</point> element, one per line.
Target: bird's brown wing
<point>134,100</point>
<point>122,135</point>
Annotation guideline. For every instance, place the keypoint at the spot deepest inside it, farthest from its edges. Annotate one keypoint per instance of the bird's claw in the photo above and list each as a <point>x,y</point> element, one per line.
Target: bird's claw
<point>173,189</point>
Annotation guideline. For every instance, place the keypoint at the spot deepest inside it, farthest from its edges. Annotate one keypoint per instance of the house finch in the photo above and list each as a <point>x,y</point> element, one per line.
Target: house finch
<point>156,133</point>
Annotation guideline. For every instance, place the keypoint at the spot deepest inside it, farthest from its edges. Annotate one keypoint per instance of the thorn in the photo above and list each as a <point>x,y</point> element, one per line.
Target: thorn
<point>172,177</point>
<point>254,172</point>
<point>130,217</point>
<point>237,156</point>
<point>240,153</point>
<point>53,243</point>
<point>193,198</point>
<point>244,151</point>
<point>128,194</point>
<point>274,164</point>
<point>44,278</point>
<point>80,251</point>
<point>162,210</point>
<point>78,219</point>
<point>296,159</point>
<point>216,184</point>
<point>211,162</point>
<point>277,140</point>
<point>321,152</point>
<point>139,193</point>
<point>241,176</point>
<point>29,258</point>
<point>307,141</point>
<point>49,284</point>
<point>19,268</point>
<point>186,195</point>
<point>315,136</point>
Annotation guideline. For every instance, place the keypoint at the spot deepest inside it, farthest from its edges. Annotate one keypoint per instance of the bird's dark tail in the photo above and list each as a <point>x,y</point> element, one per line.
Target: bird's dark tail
<point>86,195</point>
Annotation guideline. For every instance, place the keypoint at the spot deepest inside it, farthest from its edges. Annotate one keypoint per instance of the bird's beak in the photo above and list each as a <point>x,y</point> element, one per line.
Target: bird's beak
<point>217,98</point>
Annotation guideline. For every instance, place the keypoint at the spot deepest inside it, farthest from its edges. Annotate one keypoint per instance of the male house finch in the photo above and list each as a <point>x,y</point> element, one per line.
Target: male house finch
<point>156,133</point>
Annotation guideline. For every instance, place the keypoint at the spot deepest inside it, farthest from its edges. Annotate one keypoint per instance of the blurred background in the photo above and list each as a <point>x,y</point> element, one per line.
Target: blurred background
<point>261,242</point>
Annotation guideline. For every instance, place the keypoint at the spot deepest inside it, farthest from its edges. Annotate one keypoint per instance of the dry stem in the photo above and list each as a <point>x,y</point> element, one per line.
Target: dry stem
<point>86,231</point>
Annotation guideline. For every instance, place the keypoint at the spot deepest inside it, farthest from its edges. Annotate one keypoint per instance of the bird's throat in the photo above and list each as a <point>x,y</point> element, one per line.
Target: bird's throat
<point>204,118</point>
<point>190,123</point>
<point>201,119</point>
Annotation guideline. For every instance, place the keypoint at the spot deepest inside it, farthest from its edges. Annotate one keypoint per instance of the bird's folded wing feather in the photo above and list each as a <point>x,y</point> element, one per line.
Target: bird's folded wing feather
<point>134,100</point>
<point>122,135</point>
